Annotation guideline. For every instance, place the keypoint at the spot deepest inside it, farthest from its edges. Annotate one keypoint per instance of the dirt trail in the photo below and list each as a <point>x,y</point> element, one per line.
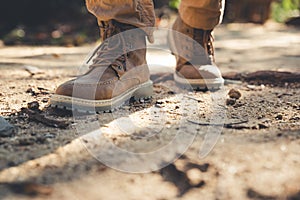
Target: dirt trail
<point>256,157</point>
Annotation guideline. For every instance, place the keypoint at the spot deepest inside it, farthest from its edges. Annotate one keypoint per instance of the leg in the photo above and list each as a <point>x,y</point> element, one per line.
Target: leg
<point>191,42</point>
<point>139,13</point>
<point>204,14</point>
<point>119,70</point>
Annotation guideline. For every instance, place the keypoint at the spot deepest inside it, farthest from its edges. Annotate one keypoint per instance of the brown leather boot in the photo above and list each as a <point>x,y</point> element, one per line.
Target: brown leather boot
<point>194,53</point>
<point>118,72</point>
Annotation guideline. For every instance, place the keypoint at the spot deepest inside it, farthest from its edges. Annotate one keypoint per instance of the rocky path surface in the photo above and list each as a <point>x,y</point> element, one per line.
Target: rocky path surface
<point>151,150</point>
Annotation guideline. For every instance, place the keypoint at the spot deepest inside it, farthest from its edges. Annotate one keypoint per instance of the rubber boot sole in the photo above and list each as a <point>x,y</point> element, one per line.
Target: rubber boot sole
<point>199,84</point>
<point>142,91</point>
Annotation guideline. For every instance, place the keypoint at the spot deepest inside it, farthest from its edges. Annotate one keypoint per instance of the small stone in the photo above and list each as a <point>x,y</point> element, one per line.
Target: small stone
<point>279,117</point>
<point>6,129</point>
<point>31,91</point>
<point>262,126</point>
<point>195,177</point>
<point>234,94</point>
<point>158,106</point>
<point>32,70</point>
<point>252,87</point>
<point>33,105</point>
<point>159,102</point>
<point>45,100</point>
<point>230,102</point>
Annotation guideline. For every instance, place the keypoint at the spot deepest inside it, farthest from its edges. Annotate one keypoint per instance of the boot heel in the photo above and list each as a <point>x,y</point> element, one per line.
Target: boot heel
<point>144,91</point>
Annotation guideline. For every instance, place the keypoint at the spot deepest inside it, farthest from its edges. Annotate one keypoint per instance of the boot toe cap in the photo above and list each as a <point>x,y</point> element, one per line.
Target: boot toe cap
<point>65,89</point>
<point>200,72</point>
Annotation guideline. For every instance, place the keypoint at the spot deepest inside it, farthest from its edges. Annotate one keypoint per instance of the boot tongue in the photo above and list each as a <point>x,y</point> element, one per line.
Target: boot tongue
<point>108,29</point>
<point>112,54</point>
<point>109,57</point>
<point>199,54</point>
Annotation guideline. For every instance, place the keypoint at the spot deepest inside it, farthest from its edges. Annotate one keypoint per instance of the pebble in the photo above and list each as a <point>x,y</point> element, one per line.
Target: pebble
<point>31,91</point>
<point>234,94</point>
<point>279,117</point>
<point>262,126</point>
<point>252,87</point>
<point>33,105</point>
<point>195,176</point>
<point>230,102</point>
<point>32,70</point>
<point>45,100</point>
<point>159,102</point>
<point>6,129</point>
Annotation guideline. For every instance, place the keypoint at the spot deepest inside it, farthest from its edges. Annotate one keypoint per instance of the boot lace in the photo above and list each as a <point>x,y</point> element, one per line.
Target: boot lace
<point>111,51</point>
<point>205,39</point>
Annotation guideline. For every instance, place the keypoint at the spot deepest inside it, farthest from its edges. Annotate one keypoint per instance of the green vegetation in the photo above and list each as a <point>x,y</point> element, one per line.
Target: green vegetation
<point>284,9</point>
<point>174,4</point>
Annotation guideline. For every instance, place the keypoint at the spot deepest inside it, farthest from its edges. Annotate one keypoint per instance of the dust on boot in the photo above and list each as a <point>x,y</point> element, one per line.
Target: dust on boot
<point>195,68</point>
<point>119,71</point>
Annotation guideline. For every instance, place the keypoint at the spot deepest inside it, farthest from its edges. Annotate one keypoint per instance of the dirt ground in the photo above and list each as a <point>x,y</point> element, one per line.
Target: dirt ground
<point>256,156</point>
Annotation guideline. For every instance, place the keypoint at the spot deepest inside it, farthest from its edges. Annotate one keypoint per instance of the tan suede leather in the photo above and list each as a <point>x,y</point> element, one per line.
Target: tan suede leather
<point>120,64</point>
<point>191,45</point>
<point>139,13</point>
<point>120,69</point>
<point>194,53</point>
<point>201,14</point>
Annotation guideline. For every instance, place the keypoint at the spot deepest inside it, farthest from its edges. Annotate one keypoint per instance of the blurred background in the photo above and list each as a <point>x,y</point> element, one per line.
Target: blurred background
<point>68,23</point>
